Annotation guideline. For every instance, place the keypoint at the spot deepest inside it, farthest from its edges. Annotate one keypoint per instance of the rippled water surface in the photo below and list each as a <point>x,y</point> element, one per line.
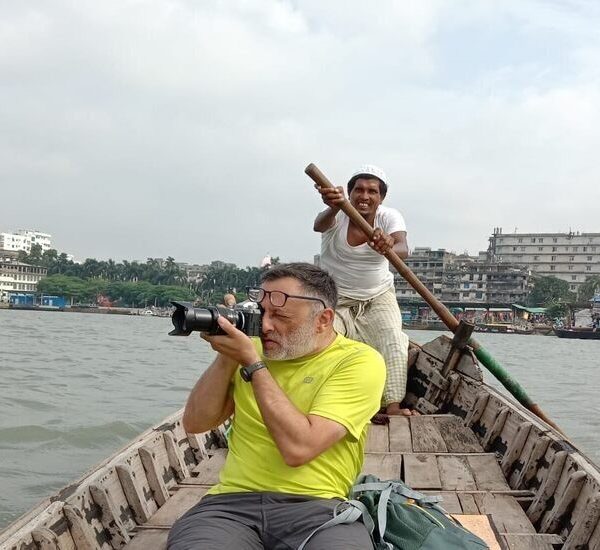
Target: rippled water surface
<point>76,387</point>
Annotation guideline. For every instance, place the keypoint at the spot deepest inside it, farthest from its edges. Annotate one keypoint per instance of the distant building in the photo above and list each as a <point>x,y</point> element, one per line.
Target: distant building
<point>194,273</point>
<point>23,239</point>
<point>18,277</point>
<point>572,257</point>
<point>463,279</point>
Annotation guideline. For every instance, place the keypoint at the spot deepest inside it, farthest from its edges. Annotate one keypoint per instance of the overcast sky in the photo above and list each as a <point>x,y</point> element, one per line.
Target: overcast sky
<point>132,128</point>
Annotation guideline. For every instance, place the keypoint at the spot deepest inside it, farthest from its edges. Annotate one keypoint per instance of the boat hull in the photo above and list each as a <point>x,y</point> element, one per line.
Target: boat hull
<point>582,334</point>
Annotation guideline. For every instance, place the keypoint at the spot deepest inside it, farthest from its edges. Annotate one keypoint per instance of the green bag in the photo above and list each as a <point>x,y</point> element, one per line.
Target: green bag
<point>408,520</point>
<point>399,518</point>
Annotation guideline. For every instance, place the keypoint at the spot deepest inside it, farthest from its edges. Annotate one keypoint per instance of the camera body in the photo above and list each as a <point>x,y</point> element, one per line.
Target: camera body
<point>186,319</point>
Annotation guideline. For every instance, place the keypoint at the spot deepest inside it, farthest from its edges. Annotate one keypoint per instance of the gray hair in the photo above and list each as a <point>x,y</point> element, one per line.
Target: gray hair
<point>313,279</point>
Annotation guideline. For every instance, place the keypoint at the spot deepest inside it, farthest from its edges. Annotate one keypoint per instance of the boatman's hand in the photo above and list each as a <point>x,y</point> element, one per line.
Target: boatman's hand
<point>332,196</point>
<point>234,344</point>
<point>381,242</point>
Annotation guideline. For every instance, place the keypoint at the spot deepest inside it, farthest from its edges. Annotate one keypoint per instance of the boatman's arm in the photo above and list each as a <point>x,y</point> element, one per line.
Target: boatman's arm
<point>333,198</point>
<point>299,437</point>
<point>382,242</point>
<point>210,403</point>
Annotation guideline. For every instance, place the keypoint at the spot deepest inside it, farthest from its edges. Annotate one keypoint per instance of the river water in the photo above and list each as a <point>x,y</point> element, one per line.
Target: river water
<point>76,387</point>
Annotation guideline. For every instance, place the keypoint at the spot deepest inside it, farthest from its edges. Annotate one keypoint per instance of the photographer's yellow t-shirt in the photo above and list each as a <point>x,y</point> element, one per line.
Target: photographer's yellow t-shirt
<point>344,383</point>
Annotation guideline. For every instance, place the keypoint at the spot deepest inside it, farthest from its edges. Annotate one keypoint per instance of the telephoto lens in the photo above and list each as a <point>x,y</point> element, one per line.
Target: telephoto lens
<point>186,319</point>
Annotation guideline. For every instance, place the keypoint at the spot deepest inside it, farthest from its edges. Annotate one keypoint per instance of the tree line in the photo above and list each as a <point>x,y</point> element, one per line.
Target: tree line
<point>138,284</point>
<point>554,294</point>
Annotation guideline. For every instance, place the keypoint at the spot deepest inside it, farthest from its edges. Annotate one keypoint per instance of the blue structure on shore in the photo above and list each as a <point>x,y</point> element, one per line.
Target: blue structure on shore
<point>53,301</point>
<point>34,301</point>
<point>23,300</point>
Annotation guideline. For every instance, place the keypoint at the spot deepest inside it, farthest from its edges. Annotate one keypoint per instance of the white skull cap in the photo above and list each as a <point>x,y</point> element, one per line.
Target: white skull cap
<point>371,170</point>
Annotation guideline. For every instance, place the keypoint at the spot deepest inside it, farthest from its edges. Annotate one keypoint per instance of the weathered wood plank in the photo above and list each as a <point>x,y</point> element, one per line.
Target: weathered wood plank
<point>426,436</point>
<point>399,434</point>
<point>586,521</point>
<point>148,538</point>
<point>563,503</point>
<point>534,451</point>
<point>508,515</point>
<point>377,439</point>
<point>177,505</point>
<point>455,473</point>
<point>530,542</point>
<point>481,526</point>
<point>450,501</point>
<point>515,446</point>
<point>487,473</point>
<point>458,438</point>
<point>421,471</point>
<point>209,475</point>
<point>547,490</point>
<point>383,465</point>
<point>468,504</point>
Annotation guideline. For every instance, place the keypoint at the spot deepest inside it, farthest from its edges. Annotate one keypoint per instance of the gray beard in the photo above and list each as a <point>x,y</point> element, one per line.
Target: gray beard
<point>294,345</point>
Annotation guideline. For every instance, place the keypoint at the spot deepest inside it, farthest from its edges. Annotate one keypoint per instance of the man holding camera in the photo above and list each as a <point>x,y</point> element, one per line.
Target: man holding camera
<point>301,400</point>
<point>367,309</point>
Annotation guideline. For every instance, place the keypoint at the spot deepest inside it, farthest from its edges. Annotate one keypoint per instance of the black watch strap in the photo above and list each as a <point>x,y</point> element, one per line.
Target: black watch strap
<point>247,372</point>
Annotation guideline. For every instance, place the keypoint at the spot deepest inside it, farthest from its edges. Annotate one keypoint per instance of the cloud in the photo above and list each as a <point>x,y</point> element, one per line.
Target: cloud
<point>135,129</point>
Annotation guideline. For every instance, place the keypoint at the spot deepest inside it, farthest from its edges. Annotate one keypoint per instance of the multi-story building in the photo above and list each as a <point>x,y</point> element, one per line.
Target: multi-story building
<point>480,279</point>
<point>429,266</point>
<point>464,279</point>
<point>18,277</point>
<point>22,239</point>
<point>572,257</point>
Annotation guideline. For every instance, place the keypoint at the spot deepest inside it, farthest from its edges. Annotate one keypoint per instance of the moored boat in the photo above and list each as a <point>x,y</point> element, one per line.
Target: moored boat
<point>485,454</point>
<point>583,333</point>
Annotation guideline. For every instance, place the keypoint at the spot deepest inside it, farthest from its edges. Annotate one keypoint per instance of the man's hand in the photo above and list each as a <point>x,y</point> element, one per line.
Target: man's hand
<point>332,197</point>
<point>381,242</point>
<point>234,344</point>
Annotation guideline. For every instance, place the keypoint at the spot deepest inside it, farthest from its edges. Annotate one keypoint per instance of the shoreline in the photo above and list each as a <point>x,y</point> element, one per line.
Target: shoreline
<point>136,312</point>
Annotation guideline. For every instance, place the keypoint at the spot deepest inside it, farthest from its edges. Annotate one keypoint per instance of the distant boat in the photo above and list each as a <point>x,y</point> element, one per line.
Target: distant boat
<point>584,333</point>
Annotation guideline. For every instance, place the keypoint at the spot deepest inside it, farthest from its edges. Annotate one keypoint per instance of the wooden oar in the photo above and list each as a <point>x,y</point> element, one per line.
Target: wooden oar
<point>442,311</point>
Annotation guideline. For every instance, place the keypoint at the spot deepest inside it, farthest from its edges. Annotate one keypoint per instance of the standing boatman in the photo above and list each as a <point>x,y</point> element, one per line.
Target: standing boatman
<point>367,308</point>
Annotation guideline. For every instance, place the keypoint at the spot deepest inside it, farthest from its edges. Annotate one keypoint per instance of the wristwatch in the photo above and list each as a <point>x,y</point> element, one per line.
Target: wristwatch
<point>247,372</point>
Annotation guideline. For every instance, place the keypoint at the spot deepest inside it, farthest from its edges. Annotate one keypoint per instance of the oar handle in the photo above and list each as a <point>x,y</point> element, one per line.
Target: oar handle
<point>442,311</point>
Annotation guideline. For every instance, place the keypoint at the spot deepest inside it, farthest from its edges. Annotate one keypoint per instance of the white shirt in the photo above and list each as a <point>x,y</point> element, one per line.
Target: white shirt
<point>359,272</point>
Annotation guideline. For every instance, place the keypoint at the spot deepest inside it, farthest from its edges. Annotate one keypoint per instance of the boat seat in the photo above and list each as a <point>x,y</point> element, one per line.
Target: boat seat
<point>207,472</point>
<point>181,501</point>
<point>156,539</point>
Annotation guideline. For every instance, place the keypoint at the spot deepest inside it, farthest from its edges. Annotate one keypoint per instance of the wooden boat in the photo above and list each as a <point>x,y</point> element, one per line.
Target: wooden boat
<point>502,328</point>
<point>484,453</point>
<point>584,333</point>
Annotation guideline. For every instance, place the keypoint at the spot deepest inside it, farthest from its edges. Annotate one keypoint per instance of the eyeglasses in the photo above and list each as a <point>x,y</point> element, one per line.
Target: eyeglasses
<point>276,297</point>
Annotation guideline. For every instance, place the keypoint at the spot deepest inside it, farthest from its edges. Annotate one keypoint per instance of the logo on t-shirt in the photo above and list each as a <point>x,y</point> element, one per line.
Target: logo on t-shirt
<point>308,380</point>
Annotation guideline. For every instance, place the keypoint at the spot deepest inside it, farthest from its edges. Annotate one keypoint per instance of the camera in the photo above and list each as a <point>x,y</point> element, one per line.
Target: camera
<point>186,318</point>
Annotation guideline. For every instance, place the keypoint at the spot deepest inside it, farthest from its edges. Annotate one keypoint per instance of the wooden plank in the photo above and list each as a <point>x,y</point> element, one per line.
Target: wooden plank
<point>149,538</point>
<point>467,503</point>
<point>449,502</point>
<point>377,439</point>
<point>458,438</point>
<point>487,473</point>
<point>426,436</point>
<point>209,475</point>
<point>508,515</point>
<point>383,465</point>
<point>481,526</point>
<point>455,473</point>
<point>399,434</point>
<point>177,505</point>
<point>421,471</point>
<point>531,542</point>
